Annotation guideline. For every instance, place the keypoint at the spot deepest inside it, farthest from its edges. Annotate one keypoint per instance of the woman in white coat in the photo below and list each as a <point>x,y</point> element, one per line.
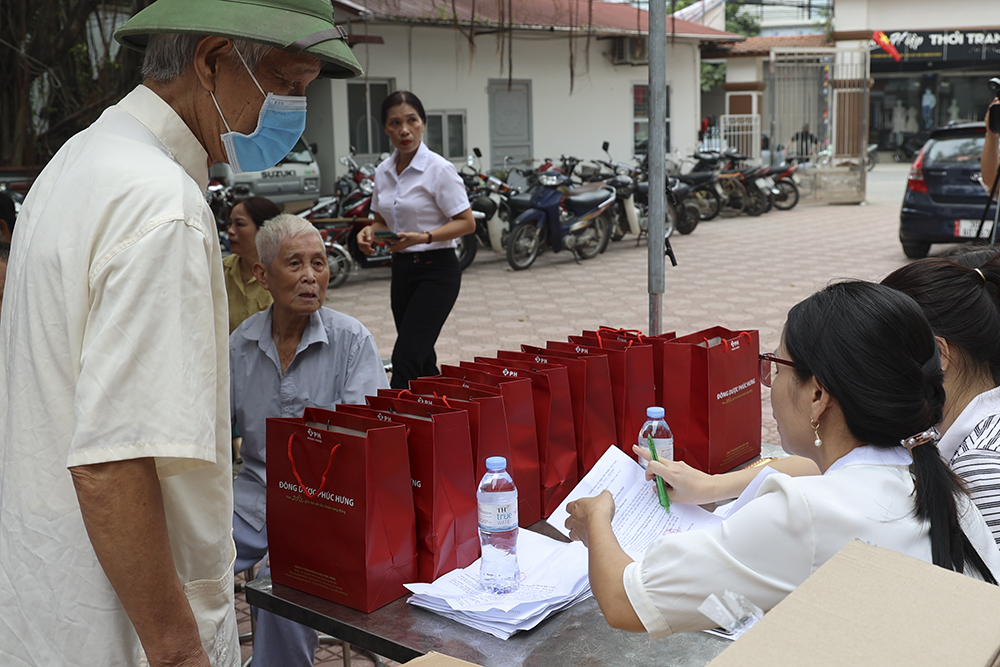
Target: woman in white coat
<point>857,389</point>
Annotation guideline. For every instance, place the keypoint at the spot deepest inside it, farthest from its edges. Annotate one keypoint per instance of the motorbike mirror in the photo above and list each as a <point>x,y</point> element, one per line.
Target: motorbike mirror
<point>479,153</point>
<point>604,146</point>
<point>353,150</point>
<point>343,160</point>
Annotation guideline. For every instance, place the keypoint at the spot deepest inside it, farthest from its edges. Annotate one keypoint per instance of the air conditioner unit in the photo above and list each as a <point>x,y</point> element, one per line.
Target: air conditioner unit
<point>631,50</point>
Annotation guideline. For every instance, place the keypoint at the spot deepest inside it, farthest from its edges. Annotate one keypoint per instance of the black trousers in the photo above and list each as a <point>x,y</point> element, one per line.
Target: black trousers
<point>425,286</point>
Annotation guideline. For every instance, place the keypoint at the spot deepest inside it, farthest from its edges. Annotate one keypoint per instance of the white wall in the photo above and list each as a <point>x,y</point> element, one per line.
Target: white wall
<point>436,64</point>
<point>914,14</point>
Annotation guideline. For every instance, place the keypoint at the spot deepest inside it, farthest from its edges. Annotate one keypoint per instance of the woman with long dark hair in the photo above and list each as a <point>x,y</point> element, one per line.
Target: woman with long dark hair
<point>419,197</point>
<point>857,387</point>
<point>960,299</point>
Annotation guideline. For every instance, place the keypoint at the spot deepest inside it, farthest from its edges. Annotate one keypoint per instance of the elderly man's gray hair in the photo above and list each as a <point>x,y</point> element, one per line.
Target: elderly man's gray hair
<point>279,228</point>
<point>169,55</point>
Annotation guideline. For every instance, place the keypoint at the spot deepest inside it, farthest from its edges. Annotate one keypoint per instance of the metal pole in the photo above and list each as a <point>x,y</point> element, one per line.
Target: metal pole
<point>657,158</point>
<point>773,142</point>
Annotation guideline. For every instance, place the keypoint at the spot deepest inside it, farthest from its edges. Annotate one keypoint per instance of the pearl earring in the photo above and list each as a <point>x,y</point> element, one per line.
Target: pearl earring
<point>815,426</point>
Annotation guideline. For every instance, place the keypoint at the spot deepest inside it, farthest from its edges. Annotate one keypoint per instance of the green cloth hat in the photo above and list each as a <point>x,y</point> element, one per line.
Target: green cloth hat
<point>295,26</point>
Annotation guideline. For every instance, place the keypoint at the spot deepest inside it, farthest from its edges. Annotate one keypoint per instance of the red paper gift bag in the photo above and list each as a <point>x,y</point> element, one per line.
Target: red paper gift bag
<point>557,455</point>
<point>631,367</point>
<point>658,341</point>
<point>340,518</point>
<point>487,421</point>
<point>520,411</point>
<point>712,398</point>
<point>444,486</point>
<point>590,392</point>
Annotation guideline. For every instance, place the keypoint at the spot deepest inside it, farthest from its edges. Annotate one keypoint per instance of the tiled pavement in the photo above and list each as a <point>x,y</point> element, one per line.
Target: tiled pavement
<point>738,272</point>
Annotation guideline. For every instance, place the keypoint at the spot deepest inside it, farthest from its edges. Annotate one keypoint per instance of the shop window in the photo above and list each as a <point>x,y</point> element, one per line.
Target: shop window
<point>445,133</point>
<point>640,119</point>
<point>364,107</point>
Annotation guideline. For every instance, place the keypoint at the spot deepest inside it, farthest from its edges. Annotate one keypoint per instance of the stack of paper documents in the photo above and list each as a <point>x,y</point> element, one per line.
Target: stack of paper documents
<point>553,573</point>
<point>553,577</point>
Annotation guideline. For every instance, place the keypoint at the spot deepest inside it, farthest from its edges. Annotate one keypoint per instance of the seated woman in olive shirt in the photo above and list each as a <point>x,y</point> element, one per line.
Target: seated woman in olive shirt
<point>246,296</point>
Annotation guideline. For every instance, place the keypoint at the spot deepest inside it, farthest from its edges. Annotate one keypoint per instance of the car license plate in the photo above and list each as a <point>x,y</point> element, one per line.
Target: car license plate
<point>966,229</point>
<point>761,183</point>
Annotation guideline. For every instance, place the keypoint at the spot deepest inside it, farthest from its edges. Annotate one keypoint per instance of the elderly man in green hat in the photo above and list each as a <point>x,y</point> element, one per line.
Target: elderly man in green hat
<point>115,476</point>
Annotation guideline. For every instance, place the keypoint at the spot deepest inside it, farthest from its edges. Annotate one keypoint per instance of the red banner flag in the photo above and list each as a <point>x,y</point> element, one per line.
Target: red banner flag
<point>883,42</point>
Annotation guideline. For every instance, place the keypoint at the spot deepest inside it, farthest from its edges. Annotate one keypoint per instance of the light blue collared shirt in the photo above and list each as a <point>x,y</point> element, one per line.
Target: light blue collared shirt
<point>336,361</point>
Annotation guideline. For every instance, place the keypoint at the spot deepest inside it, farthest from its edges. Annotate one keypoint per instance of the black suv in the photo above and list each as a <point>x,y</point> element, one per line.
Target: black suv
<point>944,197</point>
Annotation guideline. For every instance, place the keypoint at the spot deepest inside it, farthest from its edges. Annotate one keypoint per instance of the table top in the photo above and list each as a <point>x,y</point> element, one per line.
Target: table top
<point>399,631</point>
<point>575,636</point>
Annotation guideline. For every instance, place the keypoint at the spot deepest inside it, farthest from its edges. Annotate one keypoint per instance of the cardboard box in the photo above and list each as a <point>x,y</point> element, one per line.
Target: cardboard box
<point>872,606</point>
<point>433,659</point>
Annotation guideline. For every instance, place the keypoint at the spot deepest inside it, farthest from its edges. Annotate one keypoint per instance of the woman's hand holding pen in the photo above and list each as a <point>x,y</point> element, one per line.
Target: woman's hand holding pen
<point>685,484</point>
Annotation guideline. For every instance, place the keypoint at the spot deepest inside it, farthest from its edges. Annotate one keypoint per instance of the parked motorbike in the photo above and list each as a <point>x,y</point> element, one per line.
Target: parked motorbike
<point>871,156</point>
<point>494,203</point>
<point>562,218</point>
<point>221,199</point>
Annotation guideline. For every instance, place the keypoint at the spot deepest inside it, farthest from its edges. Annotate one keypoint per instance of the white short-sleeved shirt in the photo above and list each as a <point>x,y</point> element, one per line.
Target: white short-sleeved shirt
<point>426,195</point>
<point>794,525</point>
<point>971,446</point>
<point>114,345</point>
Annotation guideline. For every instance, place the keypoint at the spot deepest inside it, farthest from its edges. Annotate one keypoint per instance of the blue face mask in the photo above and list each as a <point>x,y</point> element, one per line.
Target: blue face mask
<point>280,124</point>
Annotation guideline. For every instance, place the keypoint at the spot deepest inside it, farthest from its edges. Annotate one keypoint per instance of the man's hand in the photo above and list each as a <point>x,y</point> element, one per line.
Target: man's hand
<point>122,508</point>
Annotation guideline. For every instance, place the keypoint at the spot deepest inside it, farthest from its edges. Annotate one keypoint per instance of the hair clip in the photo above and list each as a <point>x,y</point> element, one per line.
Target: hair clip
<point>930,435</point>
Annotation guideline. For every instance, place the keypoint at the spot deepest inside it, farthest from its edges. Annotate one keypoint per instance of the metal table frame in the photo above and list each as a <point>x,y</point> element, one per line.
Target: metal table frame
<point>399,631</point>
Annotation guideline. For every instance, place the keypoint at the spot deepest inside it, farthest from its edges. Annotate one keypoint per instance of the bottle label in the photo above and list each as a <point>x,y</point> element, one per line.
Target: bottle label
<point>496,518</point>
<point>664,448</point>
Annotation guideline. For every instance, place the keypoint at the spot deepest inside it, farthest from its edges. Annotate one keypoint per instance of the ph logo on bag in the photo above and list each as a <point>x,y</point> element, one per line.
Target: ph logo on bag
<point>507,372</point>
<point>313,435</point>
<point>734,344</point>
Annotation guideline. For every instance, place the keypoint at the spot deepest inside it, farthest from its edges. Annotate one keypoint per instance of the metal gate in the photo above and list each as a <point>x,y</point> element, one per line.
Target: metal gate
<point>818,115</point>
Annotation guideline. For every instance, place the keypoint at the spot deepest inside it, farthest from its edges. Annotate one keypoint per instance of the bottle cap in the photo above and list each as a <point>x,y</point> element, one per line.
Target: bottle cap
<point>654,413</point>
<point>496,463</point>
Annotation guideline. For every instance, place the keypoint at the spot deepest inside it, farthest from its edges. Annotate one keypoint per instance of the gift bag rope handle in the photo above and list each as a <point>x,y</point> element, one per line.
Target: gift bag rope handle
<point>404,392</point>
<point>626,332</point>
<point>443,397</point>
<point>737,337</point>
<point>295,470</point>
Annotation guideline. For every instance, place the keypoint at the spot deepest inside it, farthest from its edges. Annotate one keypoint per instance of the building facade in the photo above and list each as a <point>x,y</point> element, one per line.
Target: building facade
<point>947,54</point>
<point>544,83</point>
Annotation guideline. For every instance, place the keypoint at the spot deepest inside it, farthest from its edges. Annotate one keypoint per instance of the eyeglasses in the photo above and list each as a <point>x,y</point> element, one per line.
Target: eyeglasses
<point>766,370</point>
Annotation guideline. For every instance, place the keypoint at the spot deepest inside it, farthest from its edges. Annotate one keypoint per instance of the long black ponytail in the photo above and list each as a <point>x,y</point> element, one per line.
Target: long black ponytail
<point>872,348</point>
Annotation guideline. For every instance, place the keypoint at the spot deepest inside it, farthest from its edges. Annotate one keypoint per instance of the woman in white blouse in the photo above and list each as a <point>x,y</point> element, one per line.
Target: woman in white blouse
<point>419,197</point>
<point>857,388</point>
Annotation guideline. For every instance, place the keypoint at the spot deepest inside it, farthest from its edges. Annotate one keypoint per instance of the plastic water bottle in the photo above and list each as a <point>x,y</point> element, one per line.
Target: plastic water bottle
<point>663,437</point>
<point>497,497</point>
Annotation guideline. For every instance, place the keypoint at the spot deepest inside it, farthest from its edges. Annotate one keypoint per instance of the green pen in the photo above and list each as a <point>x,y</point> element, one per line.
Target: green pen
<point>661,489</point>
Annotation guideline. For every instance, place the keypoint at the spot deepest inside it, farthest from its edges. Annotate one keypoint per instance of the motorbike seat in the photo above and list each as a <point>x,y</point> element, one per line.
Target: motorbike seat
<point>519,203</point>
<point>586,201</point>
<point>681,190</point>
<point>696,178</point>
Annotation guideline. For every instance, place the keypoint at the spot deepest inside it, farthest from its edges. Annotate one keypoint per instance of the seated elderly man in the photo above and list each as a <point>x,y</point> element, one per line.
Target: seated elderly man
<point>292,355</point>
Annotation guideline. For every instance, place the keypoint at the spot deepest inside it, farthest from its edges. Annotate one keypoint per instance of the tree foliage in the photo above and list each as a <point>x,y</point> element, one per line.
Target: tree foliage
<point>59,69</point>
